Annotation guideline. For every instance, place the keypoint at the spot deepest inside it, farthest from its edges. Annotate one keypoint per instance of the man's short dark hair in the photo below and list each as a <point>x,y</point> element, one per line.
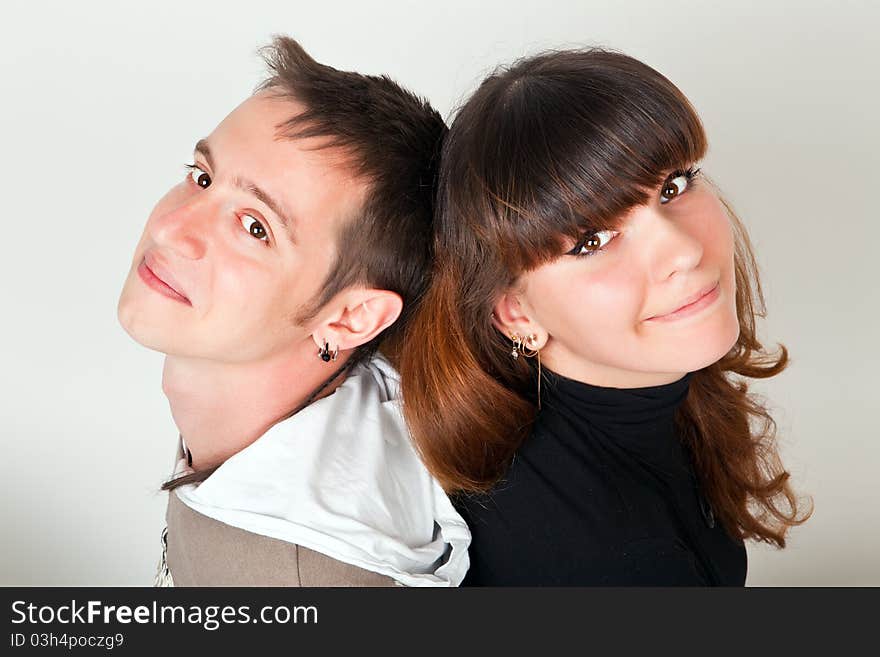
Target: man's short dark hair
<point>392,139</point>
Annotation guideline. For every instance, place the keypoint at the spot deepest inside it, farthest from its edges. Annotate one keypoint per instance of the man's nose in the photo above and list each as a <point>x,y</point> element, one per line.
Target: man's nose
<point>185,228</point>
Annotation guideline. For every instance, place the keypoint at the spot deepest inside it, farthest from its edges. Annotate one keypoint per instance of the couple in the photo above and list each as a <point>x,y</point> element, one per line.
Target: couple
<point>495,354</point>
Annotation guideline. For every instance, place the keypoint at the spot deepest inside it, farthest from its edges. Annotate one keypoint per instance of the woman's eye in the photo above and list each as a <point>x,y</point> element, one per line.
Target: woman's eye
<point>254,227</point>
<point>676,184</point>
<point>198,176</point>
<point>593,244</point>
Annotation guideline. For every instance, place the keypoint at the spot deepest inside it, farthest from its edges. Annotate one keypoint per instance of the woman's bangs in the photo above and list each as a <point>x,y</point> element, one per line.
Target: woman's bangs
<point>555,155</point>
<point>626,152</point>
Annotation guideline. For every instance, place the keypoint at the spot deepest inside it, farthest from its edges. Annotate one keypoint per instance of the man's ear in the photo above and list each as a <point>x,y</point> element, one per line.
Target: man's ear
<point>361,315</point>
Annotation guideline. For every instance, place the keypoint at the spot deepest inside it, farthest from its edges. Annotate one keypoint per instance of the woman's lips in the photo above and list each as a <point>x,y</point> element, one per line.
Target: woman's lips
<point>694,307</point>
<point>153,281</point>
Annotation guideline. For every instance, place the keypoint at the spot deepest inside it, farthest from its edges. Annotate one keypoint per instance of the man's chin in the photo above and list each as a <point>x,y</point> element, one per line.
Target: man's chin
<point>151,342</point>
<point>157,338</point>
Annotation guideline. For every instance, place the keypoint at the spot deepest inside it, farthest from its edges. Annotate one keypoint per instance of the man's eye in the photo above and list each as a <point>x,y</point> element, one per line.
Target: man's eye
<point>198,176</point>
<point>254,227</point>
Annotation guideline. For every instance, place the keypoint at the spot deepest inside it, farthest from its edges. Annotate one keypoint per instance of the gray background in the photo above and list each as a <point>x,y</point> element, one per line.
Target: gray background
<point>102,102</point>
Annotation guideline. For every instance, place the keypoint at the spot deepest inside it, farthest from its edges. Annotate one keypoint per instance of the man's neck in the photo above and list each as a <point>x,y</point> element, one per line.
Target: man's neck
<point>221,408</point>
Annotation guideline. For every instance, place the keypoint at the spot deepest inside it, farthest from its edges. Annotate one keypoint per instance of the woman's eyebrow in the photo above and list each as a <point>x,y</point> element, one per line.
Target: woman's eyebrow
<point>284,217</point>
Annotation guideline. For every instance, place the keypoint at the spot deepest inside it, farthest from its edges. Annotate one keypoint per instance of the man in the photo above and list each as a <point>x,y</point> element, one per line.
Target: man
<point>296,242</point>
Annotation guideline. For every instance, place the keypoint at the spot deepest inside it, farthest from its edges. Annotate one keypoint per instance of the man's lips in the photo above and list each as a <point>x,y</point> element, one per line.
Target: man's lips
<point>161,272</point>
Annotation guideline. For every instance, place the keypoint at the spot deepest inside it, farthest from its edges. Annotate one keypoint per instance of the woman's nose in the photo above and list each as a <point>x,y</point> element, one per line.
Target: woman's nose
<point>675,246</point>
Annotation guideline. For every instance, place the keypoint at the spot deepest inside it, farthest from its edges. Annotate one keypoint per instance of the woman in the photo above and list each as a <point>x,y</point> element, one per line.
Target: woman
<point>569,372</point>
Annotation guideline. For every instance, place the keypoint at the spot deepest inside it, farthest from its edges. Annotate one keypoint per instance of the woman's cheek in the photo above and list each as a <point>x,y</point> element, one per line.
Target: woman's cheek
<point>611,289</point>
<point>581,307</point>
<point>711,219</point>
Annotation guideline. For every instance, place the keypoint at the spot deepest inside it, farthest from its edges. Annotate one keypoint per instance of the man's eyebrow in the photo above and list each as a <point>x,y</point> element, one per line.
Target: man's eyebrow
<point>286,221</point>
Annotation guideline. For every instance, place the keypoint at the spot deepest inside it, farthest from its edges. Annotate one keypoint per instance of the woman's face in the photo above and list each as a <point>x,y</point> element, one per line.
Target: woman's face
<point>596,316</point>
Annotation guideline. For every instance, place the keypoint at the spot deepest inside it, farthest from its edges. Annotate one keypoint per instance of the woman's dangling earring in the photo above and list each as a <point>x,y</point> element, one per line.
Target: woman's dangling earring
<point>530,352</point>
<point>534,352</point>
<point>324,353</point>
<point>517,344</point>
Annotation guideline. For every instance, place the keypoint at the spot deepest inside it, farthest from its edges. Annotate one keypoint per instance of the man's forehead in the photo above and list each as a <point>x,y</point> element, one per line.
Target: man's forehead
<point>306,181</point>
<point>253,125</point>
<point>254,132</point>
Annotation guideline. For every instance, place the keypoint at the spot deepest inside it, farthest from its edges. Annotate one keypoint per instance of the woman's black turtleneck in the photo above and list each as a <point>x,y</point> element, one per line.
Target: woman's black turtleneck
<point>601,493</point>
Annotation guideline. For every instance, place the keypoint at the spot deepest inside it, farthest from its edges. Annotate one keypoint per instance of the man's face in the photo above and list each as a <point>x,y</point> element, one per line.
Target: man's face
<point>219,239</point>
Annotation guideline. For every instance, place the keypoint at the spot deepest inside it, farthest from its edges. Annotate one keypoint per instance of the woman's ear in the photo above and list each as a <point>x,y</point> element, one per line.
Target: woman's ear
<point>509,315</point>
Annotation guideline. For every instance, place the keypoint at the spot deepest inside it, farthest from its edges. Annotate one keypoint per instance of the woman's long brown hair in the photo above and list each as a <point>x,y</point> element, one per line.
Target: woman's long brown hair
<point>558,145</point>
